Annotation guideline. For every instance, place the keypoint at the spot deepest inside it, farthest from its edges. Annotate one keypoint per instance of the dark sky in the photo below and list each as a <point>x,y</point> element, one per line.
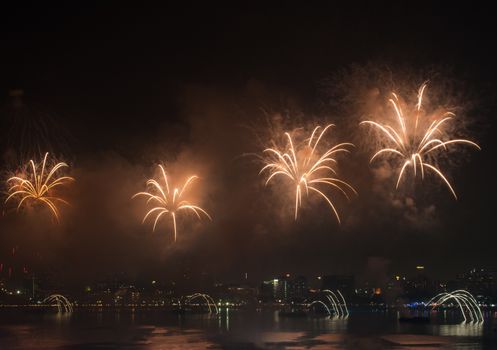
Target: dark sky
<point>122,88</point>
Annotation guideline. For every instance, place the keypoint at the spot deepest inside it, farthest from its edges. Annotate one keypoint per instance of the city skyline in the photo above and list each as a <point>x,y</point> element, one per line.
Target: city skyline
<point>248,176</point>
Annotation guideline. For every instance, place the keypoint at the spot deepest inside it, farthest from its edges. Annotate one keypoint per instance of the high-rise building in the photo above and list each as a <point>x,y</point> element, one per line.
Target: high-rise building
<point>299,288</point>
<point>274,290</point>
<point>284,289</point>
<point>478,281</point>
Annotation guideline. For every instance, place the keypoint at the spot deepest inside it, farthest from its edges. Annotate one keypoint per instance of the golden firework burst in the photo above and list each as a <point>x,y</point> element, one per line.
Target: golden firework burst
<point>306,168</point>
<point>37,186</point>
<point>415,140</point>
<point>169,201</point>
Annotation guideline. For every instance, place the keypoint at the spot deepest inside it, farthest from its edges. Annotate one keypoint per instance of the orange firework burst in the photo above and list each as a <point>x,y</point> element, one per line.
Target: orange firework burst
<point>416,141</point>
<point>169,201</point>
<point>307,168</point>
<point>38,186</point>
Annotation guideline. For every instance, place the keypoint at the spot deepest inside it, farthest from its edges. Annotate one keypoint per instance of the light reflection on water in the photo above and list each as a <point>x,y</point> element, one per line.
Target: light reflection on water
<point>232,329</point>
<point>461,330</point>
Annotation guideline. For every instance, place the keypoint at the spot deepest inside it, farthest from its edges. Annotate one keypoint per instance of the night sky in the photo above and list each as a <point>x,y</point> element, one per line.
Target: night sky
<point>120,89</point>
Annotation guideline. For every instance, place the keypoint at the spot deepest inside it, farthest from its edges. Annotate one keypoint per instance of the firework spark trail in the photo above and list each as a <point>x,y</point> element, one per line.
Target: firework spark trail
<point>38,187</point>
<point>466,302</point>
<point>169,201</point>
<point>414,145</point>
<point>306,168</point>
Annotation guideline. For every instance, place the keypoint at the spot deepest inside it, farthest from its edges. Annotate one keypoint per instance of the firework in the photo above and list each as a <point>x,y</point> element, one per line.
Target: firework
<point>169,201</point>
<point>466,302</point>
<point>306,168</point>
<point>416,141</point>
<point>38,186</point>
<point>333,303</point>
<point>211,304</point>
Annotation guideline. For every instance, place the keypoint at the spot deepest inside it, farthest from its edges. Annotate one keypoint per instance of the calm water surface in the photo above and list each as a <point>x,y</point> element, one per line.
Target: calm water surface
<point>235,329</point>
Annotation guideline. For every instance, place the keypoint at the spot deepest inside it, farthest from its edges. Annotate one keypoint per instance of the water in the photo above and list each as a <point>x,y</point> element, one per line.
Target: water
<point>232,329</point>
